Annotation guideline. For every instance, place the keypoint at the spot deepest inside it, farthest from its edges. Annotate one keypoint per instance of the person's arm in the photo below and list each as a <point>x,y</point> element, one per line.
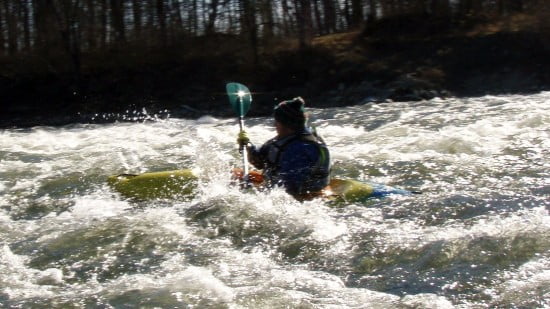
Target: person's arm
<point>255,156</point>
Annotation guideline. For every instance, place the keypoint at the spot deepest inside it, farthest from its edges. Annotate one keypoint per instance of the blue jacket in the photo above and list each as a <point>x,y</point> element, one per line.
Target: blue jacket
<point>300,162</point>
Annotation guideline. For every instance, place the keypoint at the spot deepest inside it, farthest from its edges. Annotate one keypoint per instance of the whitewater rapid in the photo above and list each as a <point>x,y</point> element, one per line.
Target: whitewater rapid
<point>478,235</point>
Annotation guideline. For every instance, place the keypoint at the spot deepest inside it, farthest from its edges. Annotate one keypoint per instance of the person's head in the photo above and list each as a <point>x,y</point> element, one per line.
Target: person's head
<point>290,116</point>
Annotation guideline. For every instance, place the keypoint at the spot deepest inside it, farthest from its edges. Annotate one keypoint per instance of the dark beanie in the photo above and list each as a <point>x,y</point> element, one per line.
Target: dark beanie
<point>291,113</point>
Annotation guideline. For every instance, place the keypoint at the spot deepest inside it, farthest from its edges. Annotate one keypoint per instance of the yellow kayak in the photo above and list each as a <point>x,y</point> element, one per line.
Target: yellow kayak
<point>155,185</point>
<point>183,183</point>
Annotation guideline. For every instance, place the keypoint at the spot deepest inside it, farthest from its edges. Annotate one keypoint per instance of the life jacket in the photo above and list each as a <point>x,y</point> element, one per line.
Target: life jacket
<point>319,176</point>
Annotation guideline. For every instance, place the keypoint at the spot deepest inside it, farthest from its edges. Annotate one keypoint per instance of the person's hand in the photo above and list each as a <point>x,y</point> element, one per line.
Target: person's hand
<point>242,139</point>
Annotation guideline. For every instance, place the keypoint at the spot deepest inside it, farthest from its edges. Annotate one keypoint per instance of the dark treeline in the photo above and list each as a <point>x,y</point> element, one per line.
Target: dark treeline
<point>52,49</point>
<point>80,26</point>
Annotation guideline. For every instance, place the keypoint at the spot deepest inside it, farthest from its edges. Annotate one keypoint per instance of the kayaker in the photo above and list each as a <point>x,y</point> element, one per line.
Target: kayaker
<point>297,158</point>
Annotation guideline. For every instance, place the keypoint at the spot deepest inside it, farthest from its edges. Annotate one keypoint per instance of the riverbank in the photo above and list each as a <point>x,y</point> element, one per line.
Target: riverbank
<point>412,61</point>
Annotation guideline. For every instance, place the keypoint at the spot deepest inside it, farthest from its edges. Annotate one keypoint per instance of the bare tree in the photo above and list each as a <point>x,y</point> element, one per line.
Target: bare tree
<point>372,13</point>
<point>288,24</point>
<point>161,17</point>
<point>66,14</point>
<point>319,23</point>
<point>356,13</point>
<point>249,26</point>
<point>266,12</point>
<point>212,16</point>
<point>90,21</point>
<point>24,17</point>
<point>194,17</point>
<point>31,25</point>
<point>11,23</point>
<point>103,23</point>
<point>304,22</point>
<point>117,20</point>
<point>440,8</point>
<point>510,6</point>
<point>2,37</point>
<point>137,18</point>
<point>329,11</point>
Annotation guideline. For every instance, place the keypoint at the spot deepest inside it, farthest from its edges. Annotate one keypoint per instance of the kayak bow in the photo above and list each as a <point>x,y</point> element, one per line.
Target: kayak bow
<point>155,185</point>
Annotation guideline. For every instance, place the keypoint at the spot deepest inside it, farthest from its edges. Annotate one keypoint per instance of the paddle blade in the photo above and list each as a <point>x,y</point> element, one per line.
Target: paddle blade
<point>239,97</point>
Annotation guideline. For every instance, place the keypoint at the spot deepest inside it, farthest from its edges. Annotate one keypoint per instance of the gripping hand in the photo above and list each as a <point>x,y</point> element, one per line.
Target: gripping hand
<point>242,139</point>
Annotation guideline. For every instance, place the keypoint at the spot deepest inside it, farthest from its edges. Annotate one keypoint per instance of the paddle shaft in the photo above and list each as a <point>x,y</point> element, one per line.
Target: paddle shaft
<point>243,147</point>
<point>240,98</point>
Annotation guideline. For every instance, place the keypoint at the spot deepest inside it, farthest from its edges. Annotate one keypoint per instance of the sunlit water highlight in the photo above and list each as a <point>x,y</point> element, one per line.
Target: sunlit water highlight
<point>478,236</point>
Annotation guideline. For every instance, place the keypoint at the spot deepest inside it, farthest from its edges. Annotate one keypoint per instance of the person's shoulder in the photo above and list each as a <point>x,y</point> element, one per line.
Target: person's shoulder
<point>270,141</point>
<point>301,145</point>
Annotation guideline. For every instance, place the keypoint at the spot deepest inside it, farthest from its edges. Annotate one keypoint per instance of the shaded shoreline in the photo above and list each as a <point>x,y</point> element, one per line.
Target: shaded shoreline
<point>337,70</point>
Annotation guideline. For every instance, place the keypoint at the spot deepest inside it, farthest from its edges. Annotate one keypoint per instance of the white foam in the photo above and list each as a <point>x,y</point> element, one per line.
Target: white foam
<point>207,120</point>
<point>458,237</point>
<point>17,280</point>
<point>91,208</point>
<point>427,301</point>
<point>191,281</point>
<point>528,285</point>
<point>50,276</point>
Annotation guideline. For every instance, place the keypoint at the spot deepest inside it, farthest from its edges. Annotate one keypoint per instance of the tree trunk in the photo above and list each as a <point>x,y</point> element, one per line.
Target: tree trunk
<point>330,15</point>
<point>516,6</point>
<point>304,22</point>
<point>90,25</point>
<point>150,12</point>
<point>176,20</point>
<point>67,21</point>
<point>320,25</point>
<point>249,26</point>
<point>212,16</point>
<point>465,7</point>
<point>346,13</point>
<point>25,20</point>
<point>419,7</point>
<point>193,18</point>
<point>356,13</point>
<point>440,8</point>
<point>267,19</point>
<point>117,20</point>
<point>372,15</point>
<point>11,23</point>
<point>2,38</point>
<point>39,25</point>
<point>161,16</point>
<point>104,29</point>
<point>386,9</point>
<point>287,21</point>
<point>138,18</point>
<point>500,7</point>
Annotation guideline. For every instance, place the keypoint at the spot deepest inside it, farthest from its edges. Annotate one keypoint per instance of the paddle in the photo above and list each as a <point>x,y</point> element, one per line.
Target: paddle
<point>240,99</point>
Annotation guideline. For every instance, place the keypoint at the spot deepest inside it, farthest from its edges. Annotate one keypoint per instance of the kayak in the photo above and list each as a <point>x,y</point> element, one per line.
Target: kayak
<point>178,184</point>
<point>155,185</point>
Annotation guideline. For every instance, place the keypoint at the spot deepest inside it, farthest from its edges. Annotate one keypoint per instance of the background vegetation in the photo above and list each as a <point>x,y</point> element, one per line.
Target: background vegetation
<point>79,57</point>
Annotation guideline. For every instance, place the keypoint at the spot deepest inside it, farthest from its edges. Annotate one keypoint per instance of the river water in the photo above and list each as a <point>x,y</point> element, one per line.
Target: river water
<point>478,236</point>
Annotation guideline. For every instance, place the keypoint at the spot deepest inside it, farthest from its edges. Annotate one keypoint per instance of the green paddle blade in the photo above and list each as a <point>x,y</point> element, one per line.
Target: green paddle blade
<point>239,97</point>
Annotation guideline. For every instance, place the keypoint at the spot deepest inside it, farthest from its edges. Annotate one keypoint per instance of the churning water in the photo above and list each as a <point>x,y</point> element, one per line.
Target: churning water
<point>478,236</point>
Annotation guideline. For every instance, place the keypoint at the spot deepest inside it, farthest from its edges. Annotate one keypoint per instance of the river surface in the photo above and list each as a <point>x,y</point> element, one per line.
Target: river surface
<point>478,236</point>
